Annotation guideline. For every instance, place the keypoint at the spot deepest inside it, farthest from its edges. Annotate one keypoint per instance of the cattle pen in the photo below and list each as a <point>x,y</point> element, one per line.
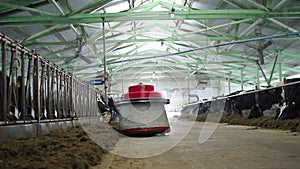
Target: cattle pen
<point>284,97</point>
<point>143,84</point>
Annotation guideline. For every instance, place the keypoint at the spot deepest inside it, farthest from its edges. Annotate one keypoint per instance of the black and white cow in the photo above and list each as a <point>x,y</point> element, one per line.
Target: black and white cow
<point>291,99</point>
<point>256,101</point>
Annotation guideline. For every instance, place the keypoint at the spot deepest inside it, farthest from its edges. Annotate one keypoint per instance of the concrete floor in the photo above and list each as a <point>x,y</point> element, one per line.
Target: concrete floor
<point>228,147</point>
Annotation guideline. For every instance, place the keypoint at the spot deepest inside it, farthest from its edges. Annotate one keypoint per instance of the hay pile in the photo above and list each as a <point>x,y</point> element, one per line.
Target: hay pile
<point>71,149</point>
<point>264,122</point>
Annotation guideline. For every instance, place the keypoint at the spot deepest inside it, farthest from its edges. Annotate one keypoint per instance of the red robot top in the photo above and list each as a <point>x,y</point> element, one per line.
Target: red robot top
<point>141,91</point>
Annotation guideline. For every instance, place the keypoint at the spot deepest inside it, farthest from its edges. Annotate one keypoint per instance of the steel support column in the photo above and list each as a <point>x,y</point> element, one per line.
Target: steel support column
<point>242,79</point>
<point>262,71</point>
<point>104,60</point>
<point>219,87</point>
<point>229,83</point>
<point>273,68</point>
<point>279,65</point>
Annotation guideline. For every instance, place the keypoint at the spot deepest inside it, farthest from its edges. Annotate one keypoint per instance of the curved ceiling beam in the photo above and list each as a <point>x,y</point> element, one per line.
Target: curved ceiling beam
<point>24,8</point>
<point>150,15</point>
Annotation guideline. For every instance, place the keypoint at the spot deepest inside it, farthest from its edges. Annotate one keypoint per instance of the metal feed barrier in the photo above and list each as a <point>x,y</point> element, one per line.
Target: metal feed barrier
<point>34,91</point>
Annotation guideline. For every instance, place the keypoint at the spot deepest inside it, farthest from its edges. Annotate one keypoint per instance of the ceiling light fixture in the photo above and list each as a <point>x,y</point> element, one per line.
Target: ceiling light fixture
<point>172,11</point>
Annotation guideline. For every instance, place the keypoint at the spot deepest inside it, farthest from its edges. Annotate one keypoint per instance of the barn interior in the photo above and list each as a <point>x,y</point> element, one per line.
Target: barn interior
<point>223,61</point>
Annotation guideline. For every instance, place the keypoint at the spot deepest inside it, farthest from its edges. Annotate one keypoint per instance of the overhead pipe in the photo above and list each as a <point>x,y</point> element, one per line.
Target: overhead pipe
<point>208,47</point>
<point>248,30</point>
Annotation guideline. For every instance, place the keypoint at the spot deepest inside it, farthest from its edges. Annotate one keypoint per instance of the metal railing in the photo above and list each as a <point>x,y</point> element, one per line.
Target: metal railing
<point>32,89</point>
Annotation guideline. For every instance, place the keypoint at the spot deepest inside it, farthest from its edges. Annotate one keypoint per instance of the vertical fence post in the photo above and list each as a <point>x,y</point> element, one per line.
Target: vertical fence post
<point>80,96</point>
<point>79,92</point>
<point>88,100</point>
<point>42,90</point>
<point>53,95</point>
<point>75,96</point>
<point>83,99</point>
<point>67,96</point>
<point>23,103</point>
<point>28,97</point>
<point>11,77</point>
<point>36,86</point>
<point>61,110</point>
<point>49,92</point>
<point>4,79</point>
<point>80,100</point>
<point>58,105</point>
<point>71,95</point>
<point>83,103</point>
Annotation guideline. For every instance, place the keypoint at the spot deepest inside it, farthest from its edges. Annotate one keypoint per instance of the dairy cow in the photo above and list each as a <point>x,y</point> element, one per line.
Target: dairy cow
<point>256,101</point>
<point>291,99</point>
